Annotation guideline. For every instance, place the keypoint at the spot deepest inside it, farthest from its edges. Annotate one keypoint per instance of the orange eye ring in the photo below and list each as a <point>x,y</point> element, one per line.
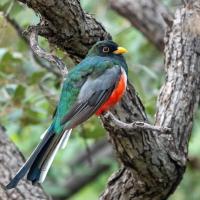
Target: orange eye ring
<point>106,49</point>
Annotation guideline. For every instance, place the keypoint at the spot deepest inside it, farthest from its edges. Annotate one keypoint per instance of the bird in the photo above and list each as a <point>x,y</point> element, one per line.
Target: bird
<point>93,86</point>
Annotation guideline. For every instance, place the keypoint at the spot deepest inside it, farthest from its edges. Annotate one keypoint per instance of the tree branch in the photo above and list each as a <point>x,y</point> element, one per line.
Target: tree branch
<point>146,16</point>
<point>66,25</point>
<point>25,37</point>
<point>134,125</point>
<point>10,156</point>
<point>33,34</point>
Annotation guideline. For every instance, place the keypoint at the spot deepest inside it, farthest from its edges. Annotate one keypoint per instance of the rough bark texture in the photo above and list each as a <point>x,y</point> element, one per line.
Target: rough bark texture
<point>152,163</point>
<point>10,162</point>
<point>66,25</point>
<point>146,16</point>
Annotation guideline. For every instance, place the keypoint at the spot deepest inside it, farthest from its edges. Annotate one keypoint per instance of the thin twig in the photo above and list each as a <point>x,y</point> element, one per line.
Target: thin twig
<point>136,124</point>
<point>38,60</point>
<point>33,35</point>
<point>48,66</point>
<point>17,28</point>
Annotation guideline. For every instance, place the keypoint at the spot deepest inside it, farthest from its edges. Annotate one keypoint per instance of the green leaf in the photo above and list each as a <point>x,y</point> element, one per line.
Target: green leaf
<point>36,77</point>
<point>19,94</point>
<point>10,62</point>
<point>30,116</point>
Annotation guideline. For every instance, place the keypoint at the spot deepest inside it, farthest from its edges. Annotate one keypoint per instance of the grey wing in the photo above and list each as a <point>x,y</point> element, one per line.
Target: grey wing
<point>92,95</point>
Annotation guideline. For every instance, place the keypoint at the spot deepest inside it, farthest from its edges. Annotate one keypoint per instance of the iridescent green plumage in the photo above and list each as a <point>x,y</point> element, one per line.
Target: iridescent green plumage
<point>92,66</point>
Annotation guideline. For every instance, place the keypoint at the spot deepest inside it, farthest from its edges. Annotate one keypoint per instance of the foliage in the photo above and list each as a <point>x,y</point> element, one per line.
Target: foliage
<point>26,107</point>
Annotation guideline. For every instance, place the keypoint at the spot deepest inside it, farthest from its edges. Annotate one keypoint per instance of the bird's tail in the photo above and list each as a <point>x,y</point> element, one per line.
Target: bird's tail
<point>38,164</point>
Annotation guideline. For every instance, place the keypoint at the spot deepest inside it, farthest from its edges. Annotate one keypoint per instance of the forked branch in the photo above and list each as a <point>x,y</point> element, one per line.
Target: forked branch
<point>135,125</point>
<point>33,38</point>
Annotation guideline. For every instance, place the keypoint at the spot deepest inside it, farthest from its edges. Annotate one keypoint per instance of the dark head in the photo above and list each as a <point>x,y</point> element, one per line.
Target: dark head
<point>108,48</point>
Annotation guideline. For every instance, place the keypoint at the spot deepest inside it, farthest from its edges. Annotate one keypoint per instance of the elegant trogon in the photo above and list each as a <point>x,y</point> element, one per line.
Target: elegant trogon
<point>93,86</point>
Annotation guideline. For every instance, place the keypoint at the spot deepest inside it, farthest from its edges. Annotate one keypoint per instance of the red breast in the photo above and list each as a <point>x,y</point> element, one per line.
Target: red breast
<point>116,95</point>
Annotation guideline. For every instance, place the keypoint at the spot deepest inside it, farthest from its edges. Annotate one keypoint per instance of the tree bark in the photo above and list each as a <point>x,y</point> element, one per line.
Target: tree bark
<point>152,163</point>
<point>65,24</point>
<point>146,16</point>
<point>10,162</point>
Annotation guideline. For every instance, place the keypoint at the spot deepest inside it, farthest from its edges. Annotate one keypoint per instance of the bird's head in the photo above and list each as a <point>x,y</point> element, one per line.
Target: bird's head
<point>106,48</point>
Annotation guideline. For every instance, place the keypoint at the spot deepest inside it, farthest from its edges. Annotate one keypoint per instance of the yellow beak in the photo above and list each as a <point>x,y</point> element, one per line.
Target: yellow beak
<point>120,50</point>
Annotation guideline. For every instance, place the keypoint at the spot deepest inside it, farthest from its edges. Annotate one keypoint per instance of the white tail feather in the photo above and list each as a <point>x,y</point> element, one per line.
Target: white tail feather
<point>47,165</point>
<point>43,134</point>
<point>66,138</point>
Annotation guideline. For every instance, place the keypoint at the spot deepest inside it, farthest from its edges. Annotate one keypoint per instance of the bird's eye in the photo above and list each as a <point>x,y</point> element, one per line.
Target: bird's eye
<point>106,49</point>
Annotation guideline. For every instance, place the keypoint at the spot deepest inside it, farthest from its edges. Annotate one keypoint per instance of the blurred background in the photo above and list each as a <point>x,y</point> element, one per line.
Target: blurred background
<point>29,91</point>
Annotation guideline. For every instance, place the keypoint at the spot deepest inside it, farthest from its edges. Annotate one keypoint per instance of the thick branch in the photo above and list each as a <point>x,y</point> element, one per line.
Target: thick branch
<point>146,16</point>
<point>11,160</point>
<point>25,37</point>
<point>66,25</point>
<point>33,32</point>
<point>178,98</point>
